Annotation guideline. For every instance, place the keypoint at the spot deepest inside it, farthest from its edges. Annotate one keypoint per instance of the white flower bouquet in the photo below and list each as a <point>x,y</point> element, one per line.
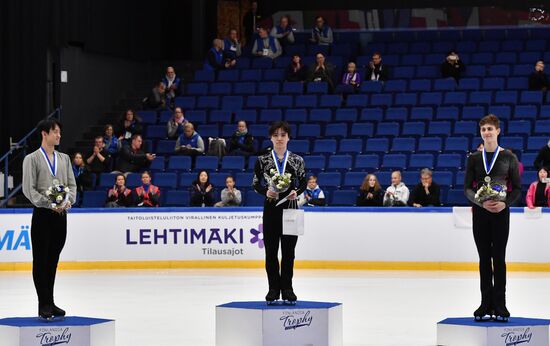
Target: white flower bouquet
<point>57,194</point>
<point>279,182</point>
<point>491,191</point>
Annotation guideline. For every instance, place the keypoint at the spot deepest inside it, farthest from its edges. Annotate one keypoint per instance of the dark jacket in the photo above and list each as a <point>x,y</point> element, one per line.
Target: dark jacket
<point>131,161</point>
<point>419,196</point>
<point>122,198</point>
<point>296,76</point>
<point>247,146</point>
<point>543,158</point>
<point>380,70</point>
<point>199,196</point>
<point>155,100</point>
<point>134,128</point>
<point>96,166</point>
<point>452,70</point>
<point>538,81</point>
<point>322,74</point>
<point>375,201</point>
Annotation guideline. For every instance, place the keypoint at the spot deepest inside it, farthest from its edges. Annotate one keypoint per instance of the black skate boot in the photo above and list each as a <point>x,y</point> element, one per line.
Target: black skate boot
<point>289,297</point>
<point>484,313</point>
<point>58,312</point>
<point>45,313</point>
<point>501,313</point>
<point>272,296</point>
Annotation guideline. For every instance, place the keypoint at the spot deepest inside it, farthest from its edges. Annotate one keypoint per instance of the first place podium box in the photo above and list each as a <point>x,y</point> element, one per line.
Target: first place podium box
<point>259,324</point>
<point>77,331</point>
<point>517,331</point>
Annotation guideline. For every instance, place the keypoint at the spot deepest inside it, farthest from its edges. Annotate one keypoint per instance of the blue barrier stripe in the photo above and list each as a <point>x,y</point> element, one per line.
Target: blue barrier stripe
<point>256,209</point>
<point>35,322</point>
<point>513,322</point>
<point>279,305</point>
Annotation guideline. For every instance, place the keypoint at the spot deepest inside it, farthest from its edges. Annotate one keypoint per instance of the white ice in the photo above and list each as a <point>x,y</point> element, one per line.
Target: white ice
<point>177,307</point>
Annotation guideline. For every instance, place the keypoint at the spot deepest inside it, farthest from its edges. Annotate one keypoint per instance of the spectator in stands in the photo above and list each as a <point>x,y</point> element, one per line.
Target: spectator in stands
<point>321,33</point>
<point>266,46</point>
<point>538,194</point>
<point>112,144</point>
<point>172,83</point>
<point>322,71</point>
<point>452,67</point>
<point>119,196</point>
<point>215,59</point>
<point>175,125</point>
<point>83,177</point>
<point>426,193</point>
<point>132,158</point>
<point>543,157</point>
<point>296,70</point>
<point>242,142</point>
<point>202,191</point>
<point>230,196</point>
<point>370,192</point>
<point>538,80</point>
<point>313,195</point>
<point>351,80</point>
<point>157,98</point>
<point>147,195</point>
<point>129,125</point>
<point>189,142</point>
<point>377,71</point>
<point>232,47</point>
<point>398,193</point>
<point>251,22</point>
<point>283,32</point>
<point>99,160</point>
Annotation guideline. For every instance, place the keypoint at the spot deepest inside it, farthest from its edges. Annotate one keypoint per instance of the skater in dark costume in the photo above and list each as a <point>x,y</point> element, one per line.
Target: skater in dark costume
<point>42,169</point>
<point>282,161</point>
<point>491,219</point>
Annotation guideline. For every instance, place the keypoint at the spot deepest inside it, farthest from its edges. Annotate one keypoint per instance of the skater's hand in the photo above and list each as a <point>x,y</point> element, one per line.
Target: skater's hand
<point>272,194</point>
<point>292,196</point>
<point>416,205</point>
<point>494,206</point>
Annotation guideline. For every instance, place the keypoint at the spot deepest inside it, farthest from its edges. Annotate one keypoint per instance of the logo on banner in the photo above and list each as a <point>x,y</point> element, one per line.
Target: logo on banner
<point>53,336</point>
<point>296,319</point>
<point>517,336</point>
<point>258,236</point>
<point>11,240</point>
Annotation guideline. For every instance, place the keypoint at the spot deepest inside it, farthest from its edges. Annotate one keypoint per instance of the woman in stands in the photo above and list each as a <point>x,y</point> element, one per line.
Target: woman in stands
<point>538,194</point>
<point>129,125</point>
<point>370,192</point>
<point>147,195</point>
<point>119,196</point>
<point>112,145</point>
<point>282,161</point>
<point>202,191</point>
<point>83,176</point>
<point>491,219</point>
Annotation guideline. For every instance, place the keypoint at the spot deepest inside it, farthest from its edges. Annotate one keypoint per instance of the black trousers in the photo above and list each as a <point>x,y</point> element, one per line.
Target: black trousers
<point>491,232</point>
<point>48,234</point>
<point>273,235</point>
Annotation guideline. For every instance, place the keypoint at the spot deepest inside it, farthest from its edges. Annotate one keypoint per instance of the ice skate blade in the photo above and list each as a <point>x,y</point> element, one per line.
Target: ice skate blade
<point>289,302</point>
<point>271,302</point>
<point>501,319</point>
<point>51,319</point>
<point>485,318</point>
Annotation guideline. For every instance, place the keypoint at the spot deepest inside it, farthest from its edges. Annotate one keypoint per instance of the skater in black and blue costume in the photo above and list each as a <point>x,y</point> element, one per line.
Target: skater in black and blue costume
<point>491,219</point>
<point>283,161</point>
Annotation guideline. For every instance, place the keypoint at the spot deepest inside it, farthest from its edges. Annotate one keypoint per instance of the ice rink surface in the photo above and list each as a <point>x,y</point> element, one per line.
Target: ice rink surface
<point>177,307</point>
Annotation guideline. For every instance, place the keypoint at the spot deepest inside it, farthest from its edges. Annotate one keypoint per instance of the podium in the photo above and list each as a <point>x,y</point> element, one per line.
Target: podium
<point>259,324</point>
<point>81,331</point>
<point>516,332</point>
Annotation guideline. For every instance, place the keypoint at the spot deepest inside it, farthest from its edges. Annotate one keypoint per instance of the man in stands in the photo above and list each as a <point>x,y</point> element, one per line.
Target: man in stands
<point>321,33</point>
<point>266,46</point>
<point>283,32</point>
<point>215,59</point>
<point>132,158</point>
<point>242,142</point>
<point>99,161</point>
<point>377,71</point>
<point>157,99</point>
<point>321,71</point>
<point>231,46</point>
<point>189,142</point>
<point>538,80</point>
<point>172,83</point>
<point>452,67</point>
<point>426,193</point>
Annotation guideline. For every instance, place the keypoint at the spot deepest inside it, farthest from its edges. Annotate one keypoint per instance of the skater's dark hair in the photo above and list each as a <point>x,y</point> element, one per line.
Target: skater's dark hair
<point>198,180</point>
<point>48,125</point>
<point>490,119</point>
<point>283,125</point>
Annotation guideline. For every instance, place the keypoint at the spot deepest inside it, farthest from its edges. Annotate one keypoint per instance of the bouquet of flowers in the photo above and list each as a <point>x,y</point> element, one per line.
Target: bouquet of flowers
<point>489,191</point>
<point>57,194</point>
<point>279,182</point>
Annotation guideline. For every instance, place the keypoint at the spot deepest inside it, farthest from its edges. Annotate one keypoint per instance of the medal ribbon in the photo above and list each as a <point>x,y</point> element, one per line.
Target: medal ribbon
<point>488,168</point>
<point>53,167</point>
<point>280,166</point>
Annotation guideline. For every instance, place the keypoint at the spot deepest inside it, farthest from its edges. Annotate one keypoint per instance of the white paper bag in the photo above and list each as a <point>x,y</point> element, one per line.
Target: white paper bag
<point>293,222</point>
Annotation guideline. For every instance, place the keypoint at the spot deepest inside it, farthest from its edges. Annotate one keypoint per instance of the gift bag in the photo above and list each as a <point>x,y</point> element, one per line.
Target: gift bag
<point>293,220</point>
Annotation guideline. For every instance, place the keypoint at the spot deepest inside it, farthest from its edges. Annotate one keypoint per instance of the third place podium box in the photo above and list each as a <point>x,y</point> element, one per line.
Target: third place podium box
<point>259,324</point>
<point>517,331</point>
<point>78,331</point>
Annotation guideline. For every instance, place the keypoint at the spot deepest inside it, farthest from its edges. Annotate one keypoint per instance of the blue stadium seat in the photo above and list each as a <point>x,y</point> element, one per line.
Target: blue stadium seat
<point>204,76</point>
<point>232,103</point>
<point>305,101</point>
<point>268,88</point>
<point>522,70</point>
<point>354,179</point>
<point>206,131</point>
<point>262,63</point>
<point>519,127</point>
<point>196,117</point>
<point>447,113</point>
<point>528,160</point>
<point>324,146</point>
<point>493,83</point>
<point>133,180</point>
<point>220,88</point>
<point>405,99</point>
<point>309,130</point>
<point>157,165</point>
<point>148,117</point>
<point>177,198</point>
<point>469,84</point>
<point>362,130</point>
<point>185,102</point>
<point>254,199</point>
<point>446,84</point>
<point>340,162</point>
<point>526,112</point>
<point>367,162</point>
<point>344,198</point>
<point>468,128</point>
<point>514,143</point>
<point>330,179</point>
<point>480,98</point>
<point>439,128</point>
<point>233,163</point>
<point>542,127</point>
<point>208,102</point>
<point>248,115</point>
<point>186,179</point>
<point>165,147</point>
<point>535,46</point>
<point>106,180</point>
<point>244,88</point>
<point>506,58</point>
<point>372,114</point>
<point>315,162</point>
<point>419,161</point>
<point>377,145</point>
<point>484,58</point>
<point>517,83</point>
<point>208,163</point>
<point>414,129</point>
<point>381,100</point>
<point>544,112</point>
<point>345,115</point>
<point>443,178</point>
<point>357,101</point>
<point>387,129</point>
<point>165,180</point>
<point>420,85</point>
<point>430,144</point>
<point>530,57</point>
<point>242,63</point>
<point>459,178</point>
<point>336,130</point>
<point>251,75</point>
<point>270,115</point>
<point>293,88</point>
<point>330,101</point>
<point>403,145</point>
<point>299,146</point>
<point>506,97</point>
<point>531,97</point>
<point>219,116</point>
<point>394,161</point>
<point>296,115</point>
<point>257,101</point>
<point>320,115</point>
<point>511,46</point>
<point>179,163</point>
<point>351,145</point>
<point>503,112</point>
<point>228,76</point>
<point>371,87</point>
<point>281,101</point>
<point>499,70</point>
<point>456,98</point>
<point>275,74</point>
<point>442,47</point>
<point>449,161</point>
<point>457,144</point>
<point>244,179</point>
<point>428,71</point>
<point>94,199</point>
<point>397,85</point>
<point>528,177</point>
<point>456,197</point>
<point>476,71</point>
<point>466,47</point>
<point>473,112</point>
<point>156,132</point>
<point>421,113</point>
<point>317,87</point>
